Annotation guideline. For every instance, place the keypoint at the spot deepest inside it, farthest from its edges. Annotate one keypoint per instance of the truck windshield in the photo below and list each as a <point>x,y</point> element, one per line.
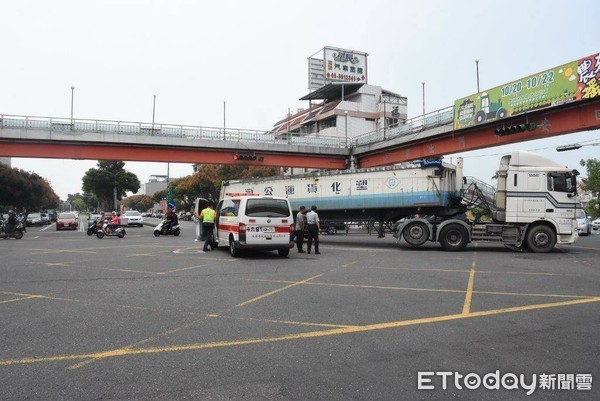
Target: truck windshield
<point>267,208</point>
<point>562,182</point>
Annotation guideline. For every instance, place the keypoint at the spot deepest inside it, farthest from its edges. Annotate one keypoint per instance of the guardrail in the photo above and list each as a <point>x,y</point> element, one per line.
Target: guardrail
<point>410,126</point>
<point>66,125</point>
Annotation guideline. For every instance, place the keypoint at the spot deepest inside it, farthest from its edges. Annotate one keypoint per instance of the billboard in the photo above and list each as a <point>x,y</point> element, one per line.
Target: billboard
<point>337,65</point>
<point>574,81</point>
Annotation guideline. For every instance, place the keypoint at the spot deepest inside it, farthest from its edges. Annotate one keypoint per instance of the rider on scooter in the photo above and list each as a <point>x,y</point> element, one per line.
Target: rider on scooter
<point>11,222</point>
<point>114,222</point>
<point>172,220</point>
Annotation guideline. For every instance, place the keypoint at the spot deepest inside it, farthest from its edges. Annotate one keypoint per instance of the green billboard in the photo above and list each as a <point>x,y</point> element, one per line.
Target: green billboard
<point>569,82</point>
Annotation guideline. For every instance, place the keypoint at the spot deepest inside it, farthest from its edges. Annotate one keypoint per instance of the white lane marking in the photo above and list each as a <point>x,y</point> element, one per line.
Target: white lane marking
<point>48,226</point>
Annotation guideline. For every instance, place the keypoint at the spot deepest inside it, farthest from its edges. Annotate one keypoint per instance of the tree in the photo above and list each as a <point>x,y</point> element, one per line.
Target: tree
<point>108,180</point>
<point>138,202</point>
<point>206,183</point>
<point>592,183</point>
<point>21,189</point>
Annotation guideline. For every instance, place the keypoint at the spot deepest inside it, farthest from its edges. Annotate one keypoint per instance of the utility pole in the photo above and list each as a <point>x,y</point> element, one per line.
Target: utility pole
<point>477,68</point>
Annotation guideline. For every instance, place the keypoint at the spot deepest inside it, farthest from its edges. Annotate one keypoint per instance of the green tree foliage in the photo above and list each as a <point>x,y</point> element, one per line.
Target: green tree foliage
<point>206,183</point>
<point>592,183</point>
<point>138,202</point>
<point>110,174</point>
<point>23,190</point>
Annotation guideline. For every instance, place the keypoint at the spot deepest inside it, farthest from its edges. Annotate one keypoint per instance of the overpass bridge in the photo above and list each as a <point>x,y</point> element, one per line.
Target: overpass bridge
<point>429,135</point>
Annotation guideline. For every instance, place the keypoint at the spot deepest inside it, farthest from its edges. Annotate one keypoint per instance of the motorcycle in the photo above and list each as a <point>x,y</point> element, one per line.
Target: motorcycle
<point>92,227</point>
<point>105,230</point>
<point>161,229</point>
<point>16,234</point>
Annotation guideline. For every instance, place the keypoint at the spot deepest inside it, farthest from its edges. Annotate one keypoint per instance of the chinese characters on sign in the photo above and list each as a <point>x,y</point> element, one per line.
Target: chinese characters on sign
<point>312,188</point>
<point>362,185</point>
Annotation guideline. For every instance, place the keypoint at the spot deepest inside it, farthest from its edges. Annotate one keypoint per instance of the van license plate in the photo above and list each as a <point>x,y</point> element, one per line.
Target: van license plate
<point>261,229</point>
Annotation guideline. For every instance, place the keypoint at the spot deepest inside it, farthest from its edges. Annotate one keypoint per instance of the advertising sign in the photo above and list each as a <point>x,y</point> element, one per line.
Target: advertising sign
<point>574,81</point>
<point>345,65</point>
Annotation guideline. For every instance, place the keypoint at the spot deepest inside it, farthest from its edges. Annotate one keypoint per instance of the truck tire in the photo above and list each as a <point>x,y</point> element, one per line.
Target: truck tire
<point>454,237</point>
<point>233,248</point>
<point>283,252</point>
<point>541,239</point>
<point>416,234</point>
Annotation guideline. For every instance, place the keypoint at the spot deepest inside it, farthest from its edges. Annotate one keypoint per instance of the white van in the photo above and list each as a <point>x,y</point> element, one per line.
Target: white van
<point>254,222</point>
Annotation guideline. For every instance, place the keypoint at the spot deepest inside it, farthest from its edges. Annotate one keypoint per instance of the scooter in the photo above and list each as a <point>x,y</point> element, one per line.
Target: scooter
<point>161,229</point>
<point>92,227</point>
<point>16,234</point>
<point>109,232</point>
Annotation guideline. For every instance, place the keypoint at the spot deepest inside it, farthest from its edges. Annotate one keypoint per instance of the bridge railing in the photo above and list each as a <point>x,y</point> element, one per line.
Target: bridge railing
<point>67,125</point>
<point>410,126</point>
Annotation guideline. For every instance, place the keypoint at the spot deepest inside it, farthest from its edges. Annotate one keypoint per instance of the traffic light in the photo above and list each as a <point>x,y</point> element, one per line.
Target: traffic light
<point>515,129</point>
<point>248,156</point>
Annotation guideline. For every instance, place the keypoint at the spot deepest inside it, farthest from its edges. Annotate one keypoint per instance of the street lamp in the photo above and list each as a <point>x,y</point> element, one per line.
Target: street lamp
<point>346,127</point>
<point>423,83</point>
<point>477,68</point>
<point>72,94</point>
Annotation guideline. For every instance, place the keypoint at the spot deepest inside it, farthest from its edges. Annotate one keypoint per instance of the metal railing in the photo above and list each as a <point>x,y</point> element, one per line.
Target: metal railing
<point>66,125</point>
<point>409,127</point>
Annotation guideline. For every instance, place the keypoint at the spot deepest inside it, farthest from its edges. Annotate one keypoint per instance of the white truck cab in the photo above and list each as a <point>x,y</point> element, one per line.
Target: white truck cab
<point>250,221</point>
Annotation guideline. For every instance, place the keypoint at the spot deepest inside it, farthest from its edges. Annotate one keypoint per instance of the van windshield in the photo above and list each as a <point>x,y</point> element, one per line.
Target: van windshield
<point>267,208</point>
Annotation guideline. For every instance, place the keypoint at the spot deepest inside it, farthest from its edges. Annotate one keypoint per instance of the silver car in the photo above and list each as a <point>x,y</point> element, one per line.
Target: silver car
<point>596,224</point>
<point>584,226</point>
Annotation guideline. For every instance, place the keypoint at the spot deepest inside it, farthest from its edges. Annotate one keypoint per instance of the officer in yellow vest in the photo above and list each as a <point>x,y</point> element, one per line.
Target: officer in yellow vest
<point>208,224</point>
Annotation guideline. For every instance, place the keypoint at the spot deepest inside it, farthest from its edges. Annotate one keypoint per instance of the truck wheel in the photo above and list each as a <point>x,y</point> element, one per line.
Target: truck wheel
<point>480,117</point>
<point>416,234</point>
<point>233,249</point>
<point>541,239</point>
<point>331,230</point>
<point>501,113</point>
<point>283,252</point>
<point>454,237</point>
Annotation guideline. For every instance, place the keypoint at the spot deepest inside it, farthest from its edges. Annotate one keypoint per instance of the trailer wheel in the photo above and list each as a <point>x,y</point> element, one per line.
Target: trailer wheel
<point>454,237</point>
<point>416,234</point>
<point>283,252</point>
<point>541,239</point>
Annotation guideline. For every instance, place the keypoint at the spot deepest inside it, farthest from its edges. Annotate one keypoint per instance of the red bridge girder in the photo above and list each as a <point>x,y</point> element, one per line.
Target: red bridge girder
<point>574,118</point>
<point>132,152</point>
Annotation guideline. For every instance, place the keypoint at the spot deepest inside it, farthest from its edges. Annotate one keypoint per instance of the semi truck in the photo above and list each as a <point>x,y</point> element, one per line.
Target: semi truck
<point>533,206</point>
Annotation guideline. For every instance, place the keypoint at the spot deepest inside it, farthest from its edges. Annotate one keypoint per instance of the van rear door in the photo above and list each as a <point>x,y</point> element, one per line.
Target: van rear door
<point>268,221</point>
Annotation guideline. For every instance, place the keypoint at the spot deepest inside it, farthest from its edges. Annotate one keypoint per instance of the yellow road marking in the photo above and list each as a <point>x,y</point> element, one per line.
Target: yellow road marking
<point>312,334</point>
<point>465,271</point>
<point>18,299</point>
<point>379,287</point>
<point>469,292</point>
<point>268,294</point>
<point>291,322</point>
<point>183,269</point>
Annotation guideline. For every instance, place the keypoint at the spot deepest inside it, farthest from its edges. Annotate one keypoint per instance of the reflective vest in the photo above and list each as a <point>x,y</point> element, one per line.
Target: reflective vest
<point>208,215</point>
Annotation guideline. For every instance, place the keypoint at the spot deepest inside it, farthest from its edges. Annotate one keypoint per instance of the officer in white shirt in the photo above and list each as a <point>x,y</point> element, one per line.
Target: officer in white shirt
<point>313,224</point>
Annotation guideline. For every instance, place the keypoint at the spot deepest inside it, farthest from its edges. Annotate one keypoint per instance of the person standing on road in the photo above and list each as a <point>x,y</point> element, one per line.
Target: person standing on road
<point>314,226</point>
<point>208,224</point>
<point>300,224</point>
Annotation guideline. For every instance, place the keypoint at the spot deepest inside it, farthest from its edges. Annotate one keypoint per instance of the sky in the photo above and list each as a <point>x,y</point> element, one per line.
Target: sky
<point>196,55</point>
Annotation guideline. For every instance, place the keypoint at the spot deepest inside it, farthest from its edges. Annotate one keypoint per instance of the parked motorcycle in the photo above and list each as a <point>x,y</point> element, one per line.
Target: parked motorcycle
<point>17,233</point>
<point>161,229</point>
<point>92,227</point>
<point>105,230</point>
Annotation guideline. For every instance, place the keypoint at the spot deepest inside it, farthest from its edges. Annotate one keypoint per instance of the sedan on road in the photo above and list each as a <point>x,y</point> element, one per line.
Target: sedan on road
<point>132,218</point>
<point>66,221</point>
<point>596,224</point>
<point>34,219</point>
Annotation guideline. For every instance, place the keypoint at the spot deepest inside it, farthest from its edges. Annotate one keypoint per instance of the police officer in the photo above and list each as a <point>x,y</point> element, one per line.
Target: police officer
<point>300,223</point>
<point>314,226</point>
<point>208,224</point>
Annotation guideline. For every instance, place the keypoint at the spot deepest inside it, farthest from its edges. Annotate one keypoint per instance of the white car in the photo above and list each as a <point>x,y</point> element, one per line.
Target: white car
<point>583,223</point>
<point>596,224</point>
<point>134,218</point>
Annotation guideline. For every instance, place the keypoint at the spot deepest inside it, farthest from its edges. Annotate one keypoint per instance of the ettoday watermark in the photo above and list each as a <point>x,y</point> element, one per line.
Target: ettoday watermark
<point>505,381</point>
